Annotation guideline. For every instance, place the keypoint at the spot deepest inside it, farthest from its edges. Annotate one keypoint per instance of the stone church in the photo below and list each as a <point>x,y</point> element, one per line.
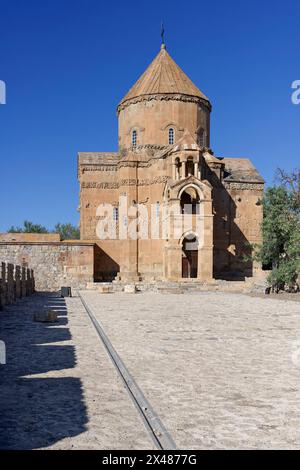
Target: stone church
<point>165,161</point>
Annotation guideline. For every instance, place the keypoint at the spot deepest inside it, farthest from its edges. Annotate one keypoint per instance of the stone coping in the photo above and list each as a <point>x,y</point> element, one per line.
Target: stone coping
<point>29,237</point>
<point>65,242</point>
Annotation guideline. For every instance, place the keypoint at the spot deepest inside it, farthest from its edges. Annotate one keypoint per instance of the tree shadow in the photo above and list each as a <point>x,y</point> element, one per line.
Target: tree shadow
<point>38,411</point>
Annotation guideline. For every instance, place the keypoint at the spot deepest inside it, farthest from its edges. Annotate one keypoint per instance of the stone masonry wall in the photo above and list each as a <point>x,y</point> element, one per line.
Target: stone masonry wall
<point>55,264</point>
<point>29,237</point>
<point>15,282</point>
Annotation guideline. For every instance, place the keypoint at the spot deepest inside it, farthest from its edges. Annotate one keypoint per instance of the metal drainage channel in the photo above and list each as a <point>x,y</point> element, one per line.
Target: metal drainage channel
<point>159,434</point>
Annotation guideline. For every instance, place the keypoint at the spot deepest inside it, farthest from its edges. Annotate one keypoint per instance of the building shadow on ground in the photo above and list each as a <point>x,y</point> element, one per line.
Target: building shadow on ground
<point>38,411</point>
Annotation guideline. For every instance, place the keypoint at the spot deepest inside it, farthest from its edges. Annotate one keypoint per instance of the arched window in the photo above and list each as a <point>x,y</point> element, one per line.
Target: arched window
<point>116,214</point>
<point>134,138</point>
<point>178,166</point>
<point>190,201</point>
<point>171,136</point>
<point>157,207</point>
<point>189,166</point>
<point>202,138</point>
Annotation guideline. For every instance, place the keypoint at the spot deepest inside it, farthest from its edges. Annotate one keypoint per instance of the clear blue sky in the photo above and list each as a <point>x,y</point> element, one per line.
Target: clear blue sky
<point>67,63</point>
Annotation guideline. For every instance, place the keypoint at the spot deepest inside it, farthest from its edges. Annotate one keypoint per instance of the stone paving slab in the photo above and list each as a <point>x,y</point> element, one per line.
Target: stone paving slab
<point>59,389</point>
<point>221,370</point>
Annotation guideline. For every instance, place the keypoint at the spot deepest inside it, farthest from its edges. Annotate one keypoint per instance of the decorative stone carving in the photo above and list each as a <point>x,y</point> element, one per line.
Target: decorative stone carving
<point>124,182</point>
<point>99,168</point>
<point>146,182</point>
<point>242,185</point>
<point>165,97</point>
<point>102,185</point>
<point>137,127</point>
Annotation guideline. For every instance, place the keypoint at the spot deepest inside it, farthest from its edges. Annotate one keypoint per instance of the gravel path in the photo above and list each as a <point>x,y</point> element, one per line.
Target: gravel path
<point>221,370</point>
<point>59,389</point>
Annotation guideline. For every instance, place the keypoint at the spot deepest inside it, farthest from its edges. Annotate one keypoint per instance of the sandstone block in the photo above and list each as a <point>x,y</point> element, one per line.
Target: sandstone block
<point>46,317</point>
<point>130,289</point>
<point>105,289</point>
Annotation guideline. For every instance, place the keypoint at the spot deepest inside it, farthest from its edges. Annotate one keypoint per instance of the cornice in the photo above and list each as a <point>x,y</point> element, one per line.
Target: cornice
<point>164,97</point>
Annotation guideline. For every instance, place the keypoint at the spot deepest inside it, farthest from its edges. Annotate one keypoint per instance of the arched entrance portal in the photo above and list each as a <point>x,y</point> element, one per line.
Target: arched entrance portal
<point>190,257</point>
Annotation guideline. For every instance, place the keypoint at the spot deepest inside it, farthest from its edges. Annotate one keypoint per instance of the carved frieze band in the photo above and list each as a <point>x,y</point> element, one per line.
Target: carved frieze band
<point>151,146</point>
<point>124,182</point>
<point>236,185</point>
<point>102,185</point>
<point>99,168</point>
<point>146,182</point>
<point>166,97</point>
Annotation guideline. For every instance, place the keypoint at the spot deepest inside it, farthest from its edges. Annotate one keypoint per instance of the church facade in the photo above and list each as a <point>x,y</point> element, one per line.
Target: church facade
<point>164,207</point>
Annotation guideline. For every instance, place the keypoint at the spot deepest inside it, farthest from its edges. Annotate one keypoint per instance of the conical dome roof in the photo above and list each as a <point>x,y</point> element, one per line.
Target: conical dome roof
<point>163,76</point>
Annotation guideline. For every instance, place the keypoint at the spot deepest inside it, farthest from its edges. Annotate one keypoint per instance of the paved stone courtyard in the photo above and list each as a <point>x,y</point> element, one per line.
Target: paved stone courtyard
<point>221,371</point>
<point>216,367</point>
<point>58,389</point>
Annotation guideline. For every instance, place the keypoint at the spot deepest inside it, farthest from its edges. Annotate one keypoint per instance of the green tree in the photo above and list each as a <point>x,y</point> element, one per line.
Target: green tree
<point>281,231</point>
<point>291,182</point>
<point>28,227</point>
<point>67,231</point>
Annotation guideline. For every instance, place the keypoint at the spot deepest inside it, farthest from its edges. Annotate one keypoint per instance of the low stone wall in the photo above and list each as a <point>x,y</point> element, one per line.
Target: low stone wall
<point>15,282</point>
<point>55,264</point>
<point>29,237</point>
